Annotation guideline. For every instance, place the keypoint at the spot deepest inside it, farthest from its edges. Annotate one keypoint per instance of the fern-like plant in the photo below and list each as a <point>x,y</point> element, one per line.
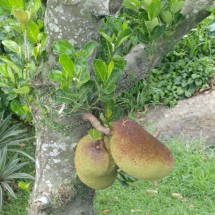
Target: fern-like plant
<point>9,170</point>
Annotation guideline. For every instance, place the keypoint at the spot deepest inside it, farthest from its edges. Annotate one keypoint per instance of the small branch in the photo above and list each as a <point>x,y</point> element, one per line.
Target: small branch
<point>95,123</point>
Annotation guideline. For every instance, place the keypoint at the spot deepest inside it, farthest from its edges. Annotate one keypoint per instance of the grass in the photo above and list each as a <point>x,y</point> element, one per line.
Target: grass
<point>16,206</point>
<point>193,177</point>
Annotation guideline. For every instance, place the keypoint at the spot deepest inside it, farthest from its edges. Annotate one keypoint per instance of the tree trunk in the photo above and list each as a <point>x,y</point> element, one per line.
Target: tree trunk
<point>57,190</point>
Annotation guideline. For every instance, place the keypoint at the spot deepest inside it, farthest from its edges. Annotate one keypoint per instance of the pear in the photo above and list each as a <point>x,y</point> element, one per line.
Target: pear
<point>94,165</point>
<point>137,152</point>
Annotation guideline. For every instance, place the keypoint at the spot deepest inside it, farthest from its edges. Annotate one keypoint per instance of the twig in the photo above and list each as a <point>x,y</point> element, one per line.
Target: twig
<point>95,123</point>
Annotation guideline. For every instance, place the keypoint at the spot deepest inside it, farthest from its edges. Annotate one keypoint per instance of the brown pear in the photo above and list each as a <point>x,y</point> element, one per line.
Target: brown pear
<point>137,152</point>
<point>94,165</point>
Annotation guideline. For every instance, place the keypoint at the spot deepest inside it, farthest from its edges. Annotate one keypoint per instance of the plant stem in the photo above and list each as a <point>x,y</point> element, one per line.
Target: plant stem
<point>95,123</point>
<point>26,45</point>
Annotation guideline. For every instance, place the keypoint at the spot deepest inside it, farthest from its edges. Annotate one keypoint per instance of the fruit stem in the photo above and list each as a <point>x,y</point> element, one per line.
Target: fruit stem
<point>95,123</point>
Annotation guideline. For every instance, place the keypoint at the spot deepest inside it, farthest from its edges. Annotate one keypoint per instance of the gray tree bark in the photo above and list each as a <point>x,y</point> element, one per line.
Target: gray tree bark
<point>57,190</point>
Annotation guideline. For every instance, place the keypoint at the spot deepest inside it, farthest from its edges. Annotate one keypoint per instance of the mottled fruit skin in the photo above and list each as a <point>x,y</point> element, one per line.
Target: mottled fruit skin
<point>137,152</point>
<point>94,166</point>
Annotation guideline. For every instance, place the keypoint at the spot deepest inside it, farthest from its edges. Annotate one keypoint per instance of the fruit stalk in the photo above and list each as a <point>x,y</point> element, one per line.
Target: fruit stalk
<point>95,123</point>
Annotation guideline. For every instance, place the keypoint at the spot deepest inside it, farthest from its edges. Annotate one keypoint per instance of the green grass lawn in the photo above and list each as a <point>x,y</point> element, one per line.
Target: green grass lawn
<point>18,206</point>
<point>193,179</point>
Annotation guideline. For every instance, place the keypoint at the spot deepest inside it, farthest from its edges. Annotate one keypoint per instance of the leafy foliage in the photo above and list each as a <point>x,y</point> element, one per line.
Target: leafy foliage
<point>77,87</point>
<point>22,49</point>
<point>152,20</point>
<point>185,70</point>
<point>139,21</point>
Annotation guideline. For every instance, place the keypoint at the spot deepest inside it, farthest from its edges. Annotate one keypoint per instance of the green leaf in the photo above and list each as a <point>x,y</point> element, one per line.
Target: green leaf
<point>169,33</point>
<point>166,16</point>
<point>34,6</point>
<point>119,62</point>
<point>110,69</point>
<point>188,93</point>
<point>17,108</point>
<point>81,75</point>
<point>23,185</point>
<point>13,66</point>
<point>130,12</point>
<point>11,96</point>
<point>105,49</point>
<point>95,134</point>
<point>7,187</point>
<point>63,97</point>
<point>180,91</point>
<point>146,4</point>
<point>33,31</point>
<point>63,47</point>
<point>36,52</point>
<point>12,46</point>
<point>56,75</point>
<point>100,69</point>
<point>134,4</point>
<point>10,75</point>
<point>16,3</point>
<point>22,152</point>
<point>67,65</point>
<point>110,86</point>
<point>3,70</point>
<point>5,5</point>
<point>143,15</point>
<point>158,32</point>
<point>151,24</point>
<point>109,107</point>
<point>107,37</point>
<point>142,37</point>
<point>89,49</point>
<point>3,84</point>
<point>176,6</point>
<point>198,82</point>
<point>123,36</point>
<point>42,37</point>
<point>194,76</point>
<point>40,24</point>
<point>22,90</point>
<point>154,8</point>
<point>84,90</point>
<point>21,15</point>
<point>79,53</point>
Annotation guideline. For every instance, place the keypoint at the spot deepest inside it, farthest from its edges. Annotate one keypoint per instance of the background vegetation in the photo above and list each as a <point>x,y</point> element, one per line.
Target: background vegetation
<point>182,73</point>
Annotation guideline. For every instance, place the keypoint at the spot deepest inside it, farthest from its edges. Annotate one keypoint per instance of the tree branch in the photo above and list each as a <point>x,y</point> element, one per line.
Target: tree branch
<point>138,64</point>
